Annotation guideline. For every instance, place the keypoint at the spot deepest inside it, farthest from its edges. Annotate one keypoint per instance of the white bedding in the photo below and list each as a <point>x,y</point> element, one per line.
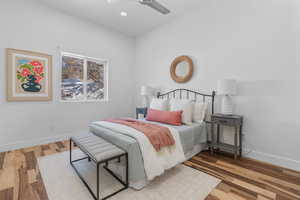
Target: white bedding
<point>155,163</point>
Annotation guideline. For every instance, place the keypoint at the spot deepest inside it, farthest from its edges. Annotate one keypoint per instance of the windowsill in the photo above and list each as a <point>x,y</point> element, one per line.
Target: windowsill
<point>84,101</point>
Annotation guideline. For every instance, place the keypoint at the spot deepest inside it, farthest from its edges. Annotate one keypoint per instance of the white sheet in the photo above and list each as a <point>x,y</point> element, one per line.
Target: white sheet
<point>155,163</point>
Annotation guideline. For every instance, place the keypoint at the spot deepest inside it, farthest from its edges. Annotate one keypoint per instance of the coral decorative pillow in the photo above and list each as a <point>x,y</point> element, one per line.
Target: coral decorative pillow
<point>167,117</point>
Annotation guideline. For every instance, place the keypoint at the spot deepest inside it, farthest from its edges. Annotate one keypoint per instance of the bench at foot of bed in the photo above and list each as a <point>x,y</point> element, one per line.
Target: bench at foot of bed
<point>100,152</point>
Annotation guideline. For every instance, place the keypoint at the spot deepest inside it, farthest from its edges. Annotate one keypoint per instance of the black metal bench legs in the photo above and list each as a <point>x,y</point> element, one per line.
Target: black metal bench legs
<point>97,196</point>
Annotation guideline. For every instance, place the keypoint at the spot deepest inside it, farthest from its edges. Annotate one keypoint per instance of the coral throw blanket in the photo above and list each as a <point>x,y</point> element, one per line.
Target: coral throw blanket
<point>158,136</point>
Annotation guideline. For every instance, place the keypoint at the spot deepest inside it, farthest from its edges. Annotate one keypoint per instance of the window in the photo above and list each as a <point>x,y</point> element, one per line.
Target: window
<point>83,78</point>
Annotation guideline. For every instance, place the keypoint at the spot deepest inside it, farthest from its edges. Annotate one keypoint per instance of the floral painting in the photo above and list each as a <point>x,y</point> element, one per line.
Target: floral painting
<point>29,76</point>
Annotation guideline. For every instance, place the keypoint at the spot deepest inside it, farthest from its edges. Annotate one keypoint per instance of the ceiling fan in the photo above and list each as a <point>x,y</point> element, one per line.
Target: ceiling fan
<point>151,3</point>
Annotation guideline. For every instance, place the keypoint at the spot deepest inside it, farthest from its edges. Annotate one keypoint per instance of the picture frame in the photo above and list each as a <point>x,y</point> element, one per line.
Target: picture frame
<point>29,75</point>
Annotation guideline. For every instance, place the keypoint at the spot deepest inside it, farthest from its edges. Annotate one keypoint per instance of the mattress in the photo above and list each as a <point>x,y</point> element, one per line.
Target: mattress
<point>193,139</point>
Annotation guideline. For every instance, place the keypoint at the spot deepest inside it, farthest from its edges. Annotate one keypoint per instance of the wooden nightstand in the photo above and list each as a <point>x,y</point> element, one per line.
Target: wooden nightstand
<point>142,111</point>
<point>235,121</point>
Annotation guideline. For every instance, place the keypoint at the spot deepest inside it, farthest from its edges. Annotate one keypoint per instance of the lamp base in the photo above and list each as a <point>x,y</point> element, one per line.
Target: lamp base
<point>145,102</point>
<point>227,106</point>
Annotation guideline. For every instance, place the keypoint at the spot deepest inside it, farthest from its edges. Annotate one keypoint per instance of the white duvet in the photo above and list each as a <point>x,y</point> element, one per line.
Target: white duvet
<point>155,163</point>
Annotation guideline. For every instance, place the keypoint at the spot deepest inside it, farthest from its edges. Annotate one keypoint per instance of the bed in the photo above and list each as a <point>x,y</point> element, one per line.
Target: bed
<point>193,138</point>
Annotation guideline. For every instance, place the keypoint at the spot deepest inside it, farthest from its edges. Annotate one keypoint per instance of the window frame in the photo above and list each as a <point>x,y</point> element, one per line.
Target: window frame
<point>85,59</point>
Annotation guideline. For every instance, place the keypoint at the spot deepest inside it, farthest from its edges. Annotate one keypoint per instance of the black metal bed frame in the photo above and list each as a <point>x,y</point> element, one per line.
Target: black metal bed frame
<point>190,94</point>
<point>97,196</point>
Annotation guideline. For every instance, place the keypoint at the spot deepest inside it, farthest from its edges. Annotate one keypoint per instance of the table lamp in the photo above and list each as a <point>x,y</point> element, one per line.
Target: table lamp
<point>227,88</point>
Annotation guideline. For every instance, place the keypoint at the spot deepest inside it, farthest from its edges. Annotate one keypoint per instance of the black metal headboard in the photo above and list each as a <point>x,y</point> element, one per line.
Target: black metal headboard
<point>189,94</point>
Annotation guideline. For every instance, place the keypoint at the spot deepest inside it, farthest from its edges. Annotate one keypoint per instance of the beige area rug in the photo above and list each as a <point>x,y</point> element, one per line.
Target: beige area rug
<point>62,183</point>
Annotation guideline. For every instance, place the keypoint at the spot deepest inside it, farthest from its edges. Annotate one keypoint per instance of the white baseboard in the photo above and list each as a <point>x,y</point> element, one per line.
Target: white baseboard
<point>34,142</point>
<point>275,160</point>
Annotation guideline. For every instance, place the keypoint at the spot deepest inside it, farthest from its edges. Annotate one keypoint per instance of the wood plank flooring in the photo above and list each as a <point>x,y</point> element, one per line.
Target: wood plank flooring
<point>20,178</point>
<point>247,178</point>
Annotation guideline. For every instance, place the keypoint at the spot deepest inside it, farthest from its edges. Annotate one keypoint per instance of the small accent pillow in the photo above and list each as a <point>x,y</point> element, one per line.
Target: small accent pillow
<point>186,106</point>
<point>200,110</point>
<point>159,104</point>
<point>167,117</point>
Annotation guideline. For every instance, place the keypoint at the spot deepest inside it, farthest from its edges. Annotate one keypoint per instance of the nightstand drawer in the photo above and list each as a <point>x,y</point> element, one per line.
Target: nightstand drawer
<point>141,111</point>
<point>226,121</point>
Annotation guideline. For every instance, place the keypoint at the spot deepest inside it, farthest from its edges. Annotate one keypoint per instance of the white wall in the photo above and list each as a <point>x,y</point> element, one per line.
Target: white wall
<point>25,24</point>
<point>255,42</point>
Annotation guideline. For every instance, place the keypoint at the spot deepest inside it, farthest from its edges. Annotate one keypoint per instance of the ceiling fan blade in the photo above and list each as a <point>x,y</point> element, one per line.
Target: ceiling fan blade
<point>155,5</point>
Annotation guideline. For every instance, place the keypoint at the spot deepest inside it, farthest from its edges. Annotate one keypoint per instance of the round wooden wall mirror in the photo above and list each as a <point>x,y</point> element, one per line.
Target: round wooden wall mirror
<point>182,69</point>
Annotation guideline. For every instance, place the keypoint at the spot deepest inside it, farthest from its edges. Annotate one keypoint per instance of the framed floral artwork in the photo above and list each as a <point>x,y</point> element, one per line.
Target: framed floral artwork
<point>29,76</point>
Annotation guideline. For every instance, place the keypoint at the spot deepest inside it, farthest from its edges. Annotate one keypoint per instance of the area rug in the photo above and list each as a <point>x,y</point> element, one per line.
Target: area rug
<point>62,183</point>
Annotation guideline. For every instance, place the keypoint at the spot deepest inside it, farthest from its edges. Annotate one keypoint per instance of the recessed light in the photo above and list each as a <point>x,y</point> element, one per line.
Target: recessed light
<point>123,14</point>
<point>112,1</point>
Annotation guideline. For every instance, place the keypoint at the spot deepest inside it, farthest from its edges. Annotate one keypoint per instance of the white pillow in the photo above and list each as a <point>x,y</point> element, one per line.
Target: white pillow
<point>186,106</point>
<point>199,112</point>
<point>159,104</point>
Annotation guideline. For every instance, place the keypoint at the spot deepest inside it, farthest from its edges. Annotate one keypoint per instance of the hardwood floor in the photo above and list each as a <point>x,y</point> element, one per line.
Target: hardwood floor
<point>247,178</point>
<point>20,178</point>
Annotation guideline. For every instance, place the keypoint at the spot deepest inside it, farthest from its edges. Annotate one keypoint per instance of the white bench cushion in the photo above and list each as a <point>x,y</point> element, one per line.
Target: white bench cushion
<point>97,148</point>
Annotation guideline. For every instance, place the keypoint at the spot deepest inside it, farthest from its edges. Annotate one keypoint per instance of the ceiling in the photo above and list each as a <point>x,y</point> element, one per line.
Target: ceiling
<point>140,19</point>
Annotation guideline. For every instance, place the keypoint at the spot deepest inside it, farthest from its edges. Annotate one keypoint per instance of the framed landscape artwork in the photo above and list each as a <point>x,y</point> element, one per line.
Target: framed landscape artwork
<point>29,76</point>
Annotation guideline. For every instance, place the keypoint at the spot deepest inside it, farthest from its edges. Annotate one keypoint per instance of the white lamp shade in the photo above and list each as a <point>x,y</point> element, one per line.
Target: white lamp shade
<point>146,91</point>
<point>227,87</point>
